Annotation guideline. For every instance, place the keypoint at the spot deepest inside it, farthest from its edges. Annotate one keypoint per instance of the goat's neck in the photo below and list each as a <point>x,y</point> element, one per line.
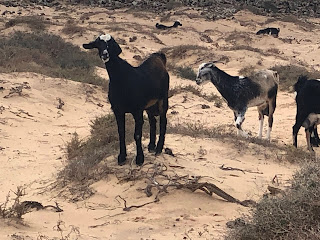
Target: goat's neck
<point>223,82</point>
<point>118,69</point>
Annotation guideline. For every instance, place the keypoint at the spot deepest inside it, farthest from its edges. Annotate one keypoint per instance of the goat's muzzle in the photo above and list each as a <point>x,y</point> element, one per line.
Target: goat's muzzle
<point>198,81</point>
<point>105,56</point>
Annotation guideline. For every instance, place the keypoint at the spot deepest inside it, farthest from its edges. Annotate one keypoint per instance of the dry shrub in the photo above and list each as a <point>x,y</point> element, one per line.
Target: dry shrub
<point>49,55</point>
<point>196,91</point>
<point>289,75</point>
<point>71,29</point>
<point>181,50</point>
<point>12,208</point>
<point>236,36</point>
<point>183,71</point>
<point>303,23</point>
<point>35,23</point>
<point>83,156</point>
<point>293,215</point>
<point>247,71</point>
<point>227,133</point>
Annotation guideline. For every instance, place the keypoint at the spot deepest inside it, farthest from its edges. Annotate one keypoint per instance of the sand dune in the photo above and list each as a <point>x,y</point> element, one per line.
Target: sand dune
<point>34,131</point>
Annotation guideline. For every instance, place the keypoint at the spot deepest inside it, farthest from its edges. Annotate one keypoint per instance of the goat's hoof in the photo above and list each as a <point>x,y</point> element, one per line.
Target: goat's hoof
<point>158,152</point>
<point>140,159</point>
<point>122,160</point>
<point>151,148</point>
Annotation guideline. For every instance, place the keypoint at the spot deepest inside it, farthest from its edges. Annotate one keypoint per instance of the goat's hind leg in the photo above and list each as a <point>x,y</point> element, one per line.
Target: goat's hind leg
<point>314,138</point>
<point>308,133</point>
<point>153,129</point>
<point>300,118</point>
<point>261,110</point>
<point>163,108</point>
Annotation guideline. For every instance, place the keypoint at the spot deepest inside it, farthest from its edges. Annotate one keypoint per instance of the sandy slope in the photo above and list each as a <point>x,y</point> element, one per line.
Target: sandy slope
<point>34,132</point>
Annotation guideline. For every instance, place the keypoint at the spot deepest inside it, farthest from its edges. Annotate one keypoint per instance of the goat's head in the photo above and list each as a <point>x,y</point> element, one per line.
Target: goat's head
<point>204,72</point>
<point>177,23</point>
<point>107,46</point>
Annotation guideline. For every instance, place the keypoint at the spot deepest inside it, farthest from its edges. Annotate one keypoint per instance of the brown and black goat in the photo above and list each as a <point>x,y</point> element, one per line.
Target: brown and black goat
<point>133,90</point>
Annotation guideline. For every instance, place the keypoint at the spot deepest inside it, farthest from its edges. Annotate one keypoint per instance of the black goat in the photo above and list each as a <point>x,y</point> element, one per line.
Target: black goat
<point>133,90</point>
<point>242,92</point>
<point>308,108</point>
<point>269,31</point>
<point>163,27</point>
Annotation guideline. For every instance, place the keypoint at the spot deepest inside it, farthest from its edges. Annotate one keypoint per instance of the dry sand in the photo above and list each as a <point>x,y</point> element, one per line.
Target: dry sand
<point>34,132</point>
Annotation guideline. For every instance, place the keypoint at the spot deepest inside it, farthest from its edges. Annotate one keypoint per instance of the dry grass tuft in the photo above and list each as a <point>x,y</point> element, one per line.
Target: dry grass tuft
<point>289,75</point>
<point>83,156</point>
<point>35,23</point>
<point>12,208</point>
<point>293,215</point>
<point>196,91</point>
<point>49,55</point>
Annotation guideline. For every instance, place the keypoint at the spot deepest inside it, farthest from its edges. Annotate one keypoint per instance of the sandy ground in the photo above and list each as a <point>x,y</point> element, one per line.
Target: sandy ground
<point>34,131</point>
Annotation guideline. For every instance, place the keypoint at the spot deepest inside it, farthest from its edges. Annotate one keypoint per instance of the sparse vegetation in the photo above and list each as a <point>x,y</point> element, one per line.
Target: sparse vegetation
<point>289,75</point>
<point>48,54</point>
<point>196,91</point>
<point>12,208</point>
<point>72,28</point>
<point>35,23</point>
<point>186,72</point>
<point>227,133</point>
<point>293,215</point>
<point>83,156</point>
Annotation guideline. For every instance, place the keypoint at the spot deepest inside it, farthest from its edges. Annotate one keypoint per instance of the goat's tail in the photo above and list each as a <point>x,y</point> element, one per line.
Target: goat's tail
<point>162,57</point>
<point>300,83</point>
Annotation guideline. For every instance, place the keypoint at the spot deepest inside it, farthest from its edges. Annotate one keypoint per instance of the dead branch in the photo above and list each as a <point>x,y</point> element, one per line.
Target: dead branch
<point>237,169</point>
<point>126,208</point>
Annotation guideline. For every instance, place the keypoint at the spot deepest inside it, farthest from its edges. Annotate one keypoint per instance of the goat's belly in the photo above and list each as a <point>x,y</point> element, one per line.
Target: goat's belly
<point>151,103</point>
<point>256,102</point>
<point>312,119</point>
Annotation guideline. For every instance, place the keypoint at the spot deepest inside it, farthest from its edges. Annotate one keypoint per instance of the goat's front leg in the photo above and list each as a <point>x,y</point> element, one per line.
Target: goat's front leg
<point>261,118</point>
<point>120,118</point>
<point>138,117</point>
<point>239,119</point>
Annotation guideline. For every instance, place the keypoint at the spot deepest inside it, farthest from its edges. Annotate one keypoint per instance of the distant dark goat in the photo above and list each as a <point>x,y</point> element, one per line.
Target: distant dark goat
<point>163,27</point>
<point>133,90</point>
<point>260,90</point>
<point>308,108</point>
<point>269,31</point>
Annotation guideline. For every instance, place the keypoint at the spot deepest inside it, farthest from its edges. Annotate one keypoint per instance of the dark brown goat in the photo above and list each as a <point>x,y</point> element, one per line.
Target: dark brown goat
<point>133,90</point>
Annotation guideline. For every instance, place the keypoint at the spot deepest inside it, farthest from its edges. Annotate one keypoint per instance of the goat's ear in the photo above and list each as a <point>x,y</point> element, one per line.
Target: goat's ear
<point>116,49</point>
<point>89,45</point>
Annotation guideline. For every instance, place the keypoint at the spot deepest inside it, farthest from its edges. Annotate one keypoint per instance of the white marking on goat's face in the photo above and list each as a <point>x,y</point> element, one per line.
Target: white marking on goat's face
<point>239,120</point>
<point>203,74</point>
<point>105,37</point>
<point>103,47</point>
<point>241,77</point>
<point>105,56</point>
